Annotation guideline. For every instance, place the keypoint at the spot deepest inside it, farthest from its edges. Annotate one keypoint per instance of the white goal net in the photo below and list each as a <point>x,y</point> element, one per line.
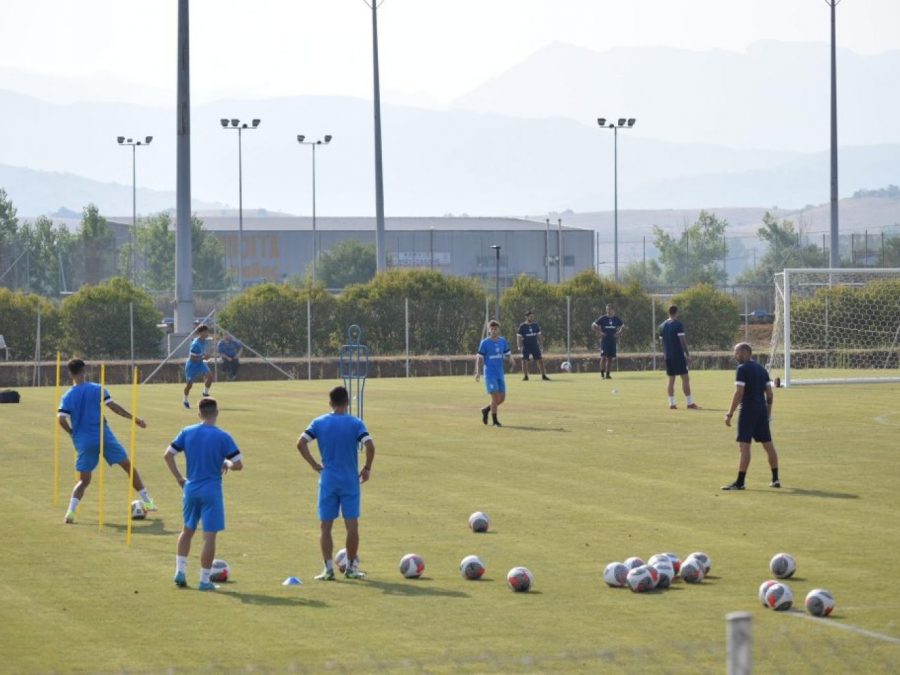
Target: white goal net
<point>836,326</point>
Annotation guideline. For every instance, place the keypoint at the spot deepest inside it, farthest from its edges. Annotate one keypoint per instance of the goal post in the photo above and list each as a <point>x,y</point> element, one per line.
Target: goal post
<point>836,326</point>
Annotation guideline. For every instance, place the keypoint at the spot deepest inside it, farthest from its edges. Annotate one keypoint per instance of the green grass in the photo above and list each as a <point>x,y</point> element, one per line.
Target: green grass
<point>584,472</point>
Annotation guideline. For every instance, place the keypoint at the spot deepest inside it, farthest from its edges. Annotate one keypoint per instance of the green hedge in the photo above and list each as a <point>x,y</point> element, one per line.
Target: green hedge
<point>710,317</point>
<point>18,324</point>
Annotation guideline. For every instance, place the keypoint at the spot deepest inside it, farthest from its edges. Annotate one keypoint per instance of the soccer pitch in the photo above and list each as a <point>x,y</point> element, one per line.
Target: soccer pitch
<point>584,472</point>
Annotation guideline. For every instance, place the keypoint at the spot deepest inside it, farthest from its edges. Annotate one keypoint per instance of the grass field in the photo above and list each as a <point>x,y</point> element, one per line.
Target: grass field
<point>584,472</point>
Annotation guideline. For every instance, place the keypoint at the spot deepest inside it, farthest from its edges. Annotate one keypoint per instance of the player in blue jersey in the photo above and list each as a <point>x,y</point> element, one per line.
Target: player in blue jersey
<point>610,328</point>
<point>676,354</point>
<point>753,394</point>
<point>79,416</point>
<point>195,366</point>
<point>209,453</point>
<point>492,351</point>
<point>339,434</point>
<point>530,342</point>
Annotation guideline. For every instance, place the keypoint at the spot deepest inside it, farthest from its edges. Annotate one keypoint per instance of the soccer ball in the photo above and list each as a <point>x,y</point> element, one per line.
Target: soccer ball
<point>666,573</point>
<point>692,571</point>
<point>641,578</point>
<point>779,597</point>
<point>633,562</point>
<point>471,567</point>
<point>479,522</point>
<point>658,557</point>
<point>520,579</point>
<point>220,571</point>
<point>412,566</point>
<point>676,562</point>
<point>783,565</point>
<point>615,574</point>
<point>819,602</point>
<point>765,586</point>
<point>138,512</point>
<point>704,561</point>
<point>565,366</point>
<point>340,560</point>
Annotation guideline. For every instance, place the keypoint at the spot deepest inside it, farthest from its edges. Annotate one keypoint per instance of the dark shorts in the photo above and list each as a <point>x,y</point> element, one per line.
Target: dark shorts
<point>676,366</point>
<point>608,348</point>
<point>533,352</point>
<point>753,426</point>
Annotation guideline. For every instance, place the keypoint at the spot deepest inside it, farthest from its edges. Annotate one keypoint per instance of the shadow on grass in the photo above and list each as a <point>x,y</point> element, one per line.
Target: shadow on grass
<point>414,587</point>
<point>800,492</point>
<point>517,427</point>
<point>154,527</point>
<point>272,600</point>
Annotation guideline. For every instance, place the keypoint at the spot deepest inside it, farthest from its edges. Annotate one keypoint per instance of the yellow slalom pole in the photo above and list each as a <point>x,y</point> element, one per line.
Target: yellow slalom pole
<point>56,435</point>
<point>132,449</point>
<point>102,435</point>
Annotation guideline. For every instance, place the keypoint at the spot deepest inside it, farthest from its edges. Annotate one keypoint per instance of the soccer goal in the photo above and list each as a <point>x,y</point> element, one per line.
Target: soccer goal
<point>836,326</point>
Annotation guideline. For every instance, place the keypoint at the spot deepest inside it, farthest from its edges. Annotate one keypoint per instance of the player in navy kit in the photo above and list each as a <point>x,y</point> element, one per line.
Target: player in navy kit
<point>610,327</point>
<point>676,354</point>
<point>753,393</point>
<point>530,342</point>
<point>492,351</point>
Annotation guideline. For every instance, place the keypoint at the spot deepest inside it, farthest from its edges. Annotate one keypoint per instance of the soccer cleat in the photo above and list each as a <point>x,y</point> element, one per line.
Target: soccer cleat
<point>206,586</point>
<point>206,393</point>
<point>673,407</point>
<point>353,572</point>
<point>497,423</point>
<point>327,575</point>
<point>693,406</point>
<point>525,379</point>
<point>70,518</point>
<point>484,414</point>
<point>733,486</point>
<point>775,484</point>
<point>149,505</point>
<point>180,580</point>
<point>608,376</point>
<point>545,378</point>
<point>186,404</point>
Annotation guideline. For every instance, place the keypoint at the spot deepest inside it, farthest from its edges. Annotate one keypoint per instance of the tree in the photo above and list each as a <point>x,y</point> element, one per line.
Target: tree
<point>784,250</point>
<point>350,262</point>
<point>50,254</point>
<point>9,229</point>
<point>97,245</point>
<point>18,317</point>
<point>636,272</point>
<point>696,255</point>
<point>711,316</point>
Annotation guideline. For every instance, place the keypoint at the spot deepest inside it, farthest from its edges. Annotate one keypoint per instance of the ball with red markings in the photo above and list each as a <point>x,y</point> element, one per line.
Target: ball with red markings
<point>412,566</point>
<point>520,579</point>
<point>819,602</point>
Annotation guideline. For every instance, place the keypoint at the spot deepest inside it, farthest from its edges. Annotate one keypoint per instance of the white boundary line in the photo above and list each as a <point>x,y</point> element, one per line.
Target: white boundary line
<point>848,627</point>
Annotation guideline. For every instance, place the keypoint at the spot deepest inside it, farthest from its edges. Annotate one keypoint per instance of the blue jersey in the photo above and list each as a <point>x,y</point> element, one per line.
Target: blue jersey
<point>530,333</point>
<point>205,448</point>
<point>671,331</point>
<point>754,379</point>
<point>338,436</point>
<point>493,352</point>
<point>82,404</point>
<point>229,348</point>
<point>609,326</point>
<point>198,347</point>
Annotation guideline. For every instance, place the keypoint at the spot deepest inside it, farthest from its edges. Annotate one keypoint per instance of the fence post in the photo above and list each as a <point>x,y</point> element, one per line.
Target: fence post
<point>36,379</point>
<point>406,313</point>
<point>308,338</point>
<point>746,318</point>
<point>653,329</point>
<point>131,330</point>
<point>740,643</point>
<point>568,327</point>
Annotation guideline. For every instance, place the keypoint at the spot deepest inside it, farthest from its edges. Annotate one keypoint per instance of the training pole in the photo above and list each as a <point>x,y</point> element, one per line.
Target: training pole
<point>56,436</point>
<point>102,429</point>
<point>132,447</point>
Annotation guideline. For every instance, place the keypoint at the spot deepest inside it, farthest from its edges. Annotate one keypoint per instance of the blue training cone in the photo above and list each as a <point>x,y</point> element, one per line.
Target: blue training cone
<point>292,581</point>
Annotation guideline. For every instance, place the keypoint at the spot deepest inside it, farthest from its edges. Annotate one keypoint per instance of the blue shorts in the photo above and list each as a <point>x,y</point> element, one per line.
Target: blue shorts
<point>194,370</point>
<point>89,454</point>
<point>608,349</point>
<point>753,426</point>
<point>207,507</point>
<point>533,352</point>
<point>676,366</point>
<point>495,384</point>
<point>339,499</point>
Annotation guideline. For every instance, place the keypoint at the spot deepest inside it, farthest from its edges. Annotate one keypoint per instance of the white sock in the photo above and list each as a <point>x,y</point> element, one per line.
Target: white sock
<point>186,397</point>
<point>204,575</point>
<point>329,565</point>
<point>690,400</point>
<point>671,400</point>
<point>206,392</point>
<point>181,563</point>
<point>145,496</point>
<point>73,503</point>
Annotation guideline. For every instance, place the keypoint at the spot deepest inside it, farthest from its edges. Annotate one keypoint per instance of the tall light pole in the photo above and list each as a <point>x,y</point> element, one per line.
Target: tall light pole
<point>232,125</point>
<point>380,252</point>
<point>301,139</point>
<point>184,282</point>
<point>134,144</point>
<point>834,258</point>
<point>496,248</point>
<point>621,123</point>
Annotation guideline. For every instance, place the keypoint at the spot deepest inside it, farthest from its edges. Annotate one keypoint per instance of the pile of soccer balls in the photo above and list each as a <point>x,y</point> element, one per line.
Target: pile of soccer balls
<point>660,571</point>
<point>779,596</point>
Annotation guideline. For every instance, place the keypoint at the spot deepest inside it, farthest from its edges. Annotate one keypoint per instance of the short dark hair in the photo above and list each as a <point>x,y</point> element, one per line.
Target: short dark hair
<point>673,310</point>
<point>530,312</point>
<point>493,322</point>
<point>339,396</point>
<point>75,366</point>
<point>202,327</point>
<point>208,407</point>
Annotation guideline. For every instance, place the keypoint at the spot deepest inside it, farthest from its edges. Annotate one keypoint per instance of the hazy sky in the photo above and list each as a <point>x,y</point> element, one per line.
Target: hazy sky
<point>430,49</point>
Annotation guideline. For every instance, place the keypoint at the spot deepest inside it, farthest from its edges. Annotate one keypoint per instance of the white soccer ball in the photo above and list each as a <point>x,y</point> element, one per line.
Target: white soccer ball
<point>565,366</point>
<point>704,561</point>
<point>520,579</point>
<point>633,562</point>
<point>615,574</point>
<point>658,557</point>
<point>471,567</point>
<point>779,597</point>
<point>138,512</point>
<point>220,571</point>
<point>479,522</point>
<point>676,562</point>
<point>340,560</point>
<point>692,571</point>
<point>642,578</point>
<point>763,587</point>
<point>819,602</point>
<point>412,566</point>
<point>783,565</point>
<point>666,573</point>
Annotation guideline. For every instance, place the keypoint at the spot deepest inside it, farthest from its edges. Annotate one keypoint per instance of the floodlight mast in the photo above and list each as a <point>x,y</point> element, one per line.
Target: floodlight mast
<point>301,139</point>
<point>240,127</point>
<point>621,123</point>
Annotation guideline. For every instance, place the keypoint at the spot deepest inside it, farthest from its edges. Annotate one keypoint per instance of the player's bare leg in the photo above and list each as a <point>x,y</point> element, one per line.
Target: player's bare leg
<point>207,382</point>
<point>670,390</point>
<point>84,479</point>
<point>207,555</point>
<point>773,463</point>
<point>540,363</point>
<point>352,525</point>
<point>686,388</point>
<point>743,464</point>
<point>325,540</point>
<point>138,484</point>
<point>524,368</point>
<point>497,399</point>
<point>182,551</point>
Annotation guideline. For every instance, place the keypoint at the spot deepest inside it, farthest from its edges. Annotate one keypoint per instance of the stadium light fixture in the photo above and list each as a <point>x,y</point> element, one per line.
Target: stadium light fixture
<point>130,142</point>
<point>224,122</point>
<point>237,125</point>
<point>301,139</point>
<point>621,123</point>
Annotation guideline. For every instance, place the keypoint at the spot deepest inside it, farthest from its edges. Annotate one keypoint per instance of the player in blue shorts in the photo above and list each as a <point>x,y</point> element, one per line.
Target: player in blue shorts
<point>753,394</point>
<point>675,350</point>
<point>209,453</point>
<point>195,366</point>
<point>610,328</point>
<point>339,434</point>
<point>79,416</point>
<point>530,342</point>
<point>492,351</point>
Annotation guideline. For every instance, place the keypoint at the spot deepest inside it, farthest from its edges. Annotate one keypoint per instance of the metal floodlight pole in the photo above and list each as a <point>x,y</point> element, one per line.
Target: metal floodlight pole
<point>380,251</point>
<point>301,139</point>
<point>184,289</point>
<point>621,123</point>
<point>240,127</point>
<point>496,248</point>
<point>121,140</point>
<point>834,259</point>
